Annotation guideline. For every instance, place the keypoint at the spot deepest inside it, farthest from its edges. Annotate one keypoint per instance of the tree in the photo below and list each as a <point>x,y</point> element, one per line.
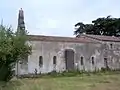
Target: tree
<point>102,26</point>
<point>13,47</point>
<point>81,29</point>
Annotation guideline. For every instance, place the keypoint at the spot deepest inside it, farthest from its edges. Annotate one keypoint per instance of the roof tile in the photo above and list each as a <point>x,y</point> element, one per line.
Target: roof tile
<point>60,39</point>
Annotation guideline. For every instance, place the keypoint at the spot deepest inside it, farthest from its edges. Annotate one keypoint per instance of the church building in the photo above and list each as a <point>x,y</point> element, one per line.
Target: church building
<point>52,53</point>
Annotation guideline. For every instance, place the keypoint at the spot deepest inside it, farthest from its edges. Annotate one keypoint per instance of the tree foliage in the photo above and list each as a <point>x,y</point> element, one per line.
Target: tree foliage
<point>102,26</point>
<point>13,47</point>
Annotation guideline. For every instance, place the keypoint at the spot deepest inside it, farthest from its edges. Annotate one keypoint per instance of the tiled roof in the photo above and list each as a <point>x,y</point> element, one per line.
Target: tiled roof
<point>104,38</point>
<point>60,39</point>
<point>80,39</point>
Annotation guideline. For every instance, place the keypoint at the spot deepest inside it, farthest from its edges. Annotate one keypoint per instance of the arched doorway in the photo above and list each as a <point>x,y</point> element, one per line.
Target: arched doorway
<point>69,59</point>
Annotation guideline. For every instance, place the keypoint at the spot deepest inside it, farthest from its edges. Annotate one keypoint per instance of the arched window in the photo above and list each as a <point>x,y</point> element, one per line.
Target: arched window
<point>40,61</point>
<point>54,60</point>
<point>106,62</point>
<point>111,46</point>
<point>93,61</point>
<point>82,61</point>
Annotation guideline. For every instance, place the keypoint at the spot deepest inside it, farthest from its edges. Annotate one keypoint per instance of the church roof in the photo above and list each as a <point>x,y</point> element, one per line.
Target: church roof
<point>60,39</point>
<point>80,39</point>
<point>104,38</point>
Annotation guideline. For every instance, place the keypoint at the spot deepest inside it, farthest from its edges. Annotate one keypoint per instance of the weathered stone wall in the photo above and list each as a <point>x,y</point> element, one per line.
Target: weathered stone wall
<point>112,52</point>
<point>48,50</point>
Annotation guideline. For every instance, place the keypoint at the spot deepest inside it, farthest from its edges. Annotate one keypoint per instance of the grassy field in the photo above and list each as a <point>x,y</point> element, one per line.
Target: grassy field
<point>92,82</point>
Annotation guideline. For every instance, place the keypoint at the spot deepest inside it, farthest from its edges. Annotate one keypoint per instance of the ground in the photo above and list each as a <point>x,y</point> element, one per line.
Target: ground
<point>85,82</point>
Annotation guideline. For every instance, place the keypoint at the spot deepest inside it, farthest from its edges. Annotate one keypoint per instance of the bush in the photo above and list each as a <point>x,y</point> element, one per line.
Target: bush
<point>6,73</point>
<point>13,47</point>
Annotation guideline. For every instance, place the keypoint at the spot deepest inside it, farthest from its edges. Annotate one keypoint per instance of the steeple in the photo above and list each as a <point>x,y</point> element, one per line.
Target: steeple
<point>21,23</point>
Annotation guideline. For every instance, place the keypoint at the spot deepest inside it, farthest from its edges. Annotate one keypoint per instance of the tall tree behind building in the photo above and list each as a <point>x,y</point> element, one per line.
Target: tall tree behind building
<point>107,26</point>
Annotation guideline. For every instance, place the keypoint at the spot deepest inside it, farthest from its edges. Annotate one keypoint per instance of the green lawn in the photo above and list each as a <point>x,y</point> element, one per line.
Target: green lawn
<point>92,82</point>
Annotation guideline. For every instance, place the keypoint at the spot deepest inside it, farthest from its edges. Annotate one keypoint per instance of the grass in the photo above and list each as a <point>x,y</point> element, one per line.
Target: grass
<point>79,82</point>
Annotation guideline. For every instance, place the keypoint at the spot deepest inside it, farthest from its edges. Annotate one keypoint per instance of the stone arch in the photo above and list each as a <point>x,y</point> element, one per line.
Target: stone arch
<point>69,59</point>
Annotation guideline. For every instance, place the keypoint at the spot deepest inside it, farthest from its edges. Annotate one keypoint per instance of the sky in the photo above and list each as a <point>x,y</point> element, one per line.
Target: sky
<point>56,17</point>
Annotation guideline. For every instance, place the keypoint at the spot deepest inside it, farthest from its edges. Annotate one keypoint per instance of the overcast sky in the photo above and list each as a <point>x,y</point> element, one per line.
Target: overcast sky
<point>56,17</point>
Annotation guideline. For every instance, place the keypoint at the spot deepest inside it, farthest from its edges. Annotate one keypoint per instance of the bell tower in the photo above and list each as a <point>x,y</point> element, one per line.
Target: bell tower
<point>21,23</point>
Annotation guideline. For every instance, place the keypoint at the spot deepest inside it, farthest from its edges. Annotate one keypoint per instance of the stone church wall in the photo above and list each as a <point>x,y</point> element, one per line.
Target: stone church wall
<point>93,55</point>
<point>50,49</point>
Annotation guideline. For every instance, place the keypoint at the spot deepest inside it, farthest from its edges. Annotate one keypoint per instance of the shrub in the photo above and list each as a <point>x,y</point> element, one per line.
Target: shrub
<point>13,48</point>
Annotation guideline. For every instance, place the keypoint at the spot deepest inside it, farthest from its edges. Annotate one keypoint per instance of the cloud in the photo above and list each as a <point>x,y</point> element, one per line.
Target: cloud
<point>56,17</point>
<point>51,23</point>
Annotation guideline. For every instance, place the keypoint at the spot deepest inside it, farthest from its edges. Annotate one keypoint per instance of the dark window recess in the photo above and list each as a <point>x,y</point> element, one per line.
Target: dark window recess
<point>106,63</point>
<point>40,61</point>
<point>81,60</point>
<point>93,61</point>
<point>54,60</point>
<point>111,46</point>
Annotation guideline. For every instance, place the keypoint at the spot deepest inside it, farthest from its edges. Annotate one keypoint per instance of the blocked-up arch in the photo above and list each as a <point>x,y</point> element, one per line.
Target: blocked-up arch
<point>69,59</point>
